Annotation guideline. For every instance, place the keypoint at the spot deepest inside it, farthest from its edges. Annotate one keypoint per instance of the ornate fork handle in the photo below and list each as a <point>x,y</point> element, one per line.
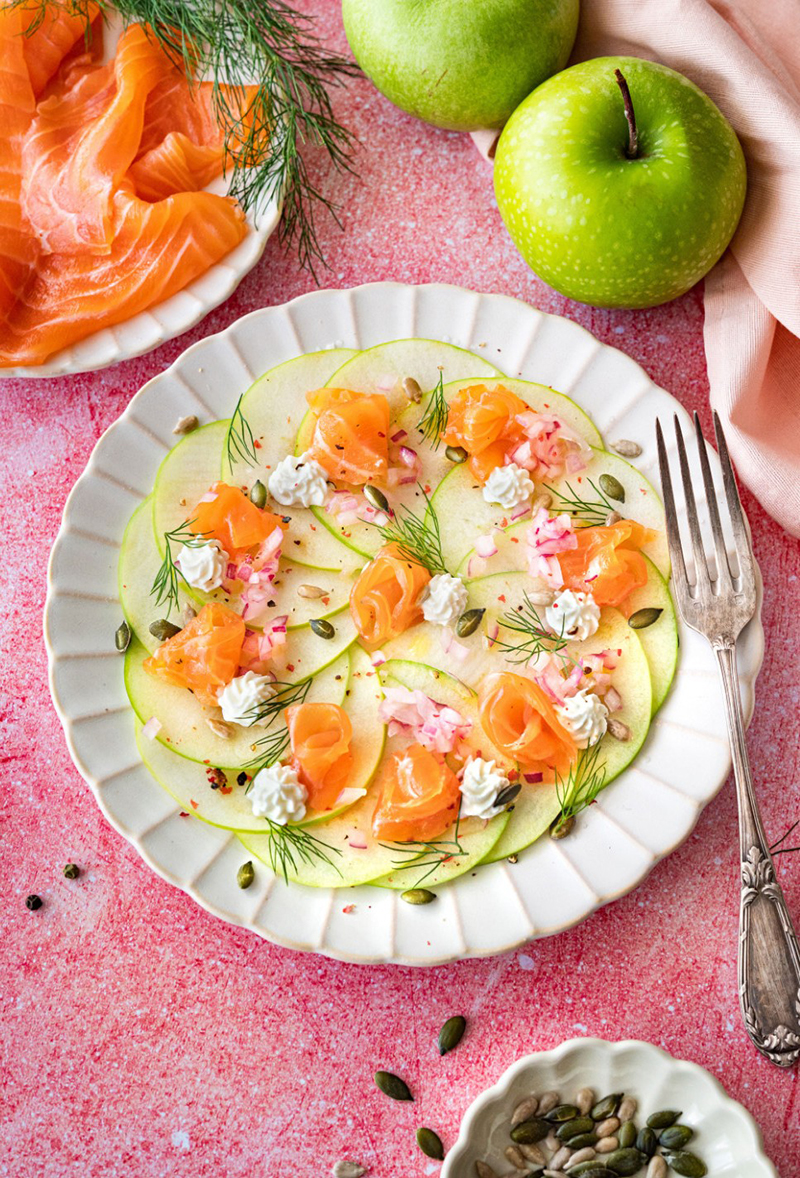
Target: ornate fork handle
<point>769,958</point>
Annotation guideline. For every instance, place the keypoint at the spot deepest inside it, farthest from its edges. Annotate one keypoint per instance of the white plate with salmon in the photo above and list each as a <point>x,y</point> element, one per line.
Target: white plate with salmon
<point>371,648</point>
<point>116,231</point>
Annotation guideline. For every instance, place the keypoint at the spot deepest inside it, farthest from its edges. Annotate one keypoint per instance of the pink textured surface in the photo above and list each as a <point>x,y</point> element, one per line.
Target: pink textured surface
<point>142,1036</point>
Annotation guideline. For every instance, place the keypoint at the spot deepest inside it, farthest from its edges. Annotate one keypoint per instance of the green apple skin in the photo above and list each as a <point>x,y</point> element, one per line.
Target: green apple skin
<point>460,64</point>
<point>604,229</point>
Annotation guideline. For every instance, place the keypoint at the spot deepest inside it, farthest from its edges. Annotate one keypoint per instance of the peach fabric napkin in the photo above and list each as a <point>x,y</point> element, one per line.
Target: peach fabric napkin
<point>746,56</point>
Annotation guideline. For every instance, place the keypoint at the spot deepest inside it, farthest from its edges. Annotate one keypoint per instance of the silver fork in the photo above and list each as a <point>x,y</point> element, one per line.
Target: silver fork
<point>719,607</point>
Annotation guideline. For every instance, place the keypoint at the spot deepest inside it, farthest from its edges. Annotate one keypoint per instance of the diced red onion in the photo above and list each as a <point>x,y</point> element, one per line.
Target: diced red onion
<point>533,778</point>
<point>398,437</point>
<point>152,728</point>
<point>485,546</point>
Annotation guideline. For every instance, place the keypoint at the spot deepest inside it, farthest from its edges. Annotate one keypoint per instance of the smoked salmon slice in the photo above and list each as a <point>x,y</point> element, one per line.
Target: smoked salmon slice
<point>384,601</point>
<point>226,514</point>
<point>204,656</point>
<point>419,796</point>
<point>520,720</point>
<point>351,435</point>
<point>483,422</point>
<point>320,736</point>
<point>607,562</point>
<point>175,165</point>
<point>58,33</point>
<point>18,248</point>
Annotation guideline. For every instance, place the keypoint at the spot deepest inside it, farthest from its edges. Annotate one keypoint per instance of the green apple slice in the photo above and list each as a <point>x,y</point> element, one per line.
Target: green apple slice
<point>461,528</point>
<point>184,720</point>
<point>187,782</point>
<point>184,476</point>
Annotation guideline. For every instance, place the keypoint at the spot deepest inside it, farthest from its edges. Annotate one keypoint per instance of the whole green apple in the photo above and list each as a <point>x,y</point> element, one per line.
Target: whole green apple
<point>620,192</point>
<point>460,64</point>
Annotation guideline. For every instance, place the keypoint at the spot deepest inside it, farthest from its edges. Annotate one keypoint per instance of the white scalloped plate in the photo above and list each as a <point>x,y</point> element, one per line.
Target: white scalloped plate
<point>141,333</point>
<point>726,1136</point>
<point>643,816</point>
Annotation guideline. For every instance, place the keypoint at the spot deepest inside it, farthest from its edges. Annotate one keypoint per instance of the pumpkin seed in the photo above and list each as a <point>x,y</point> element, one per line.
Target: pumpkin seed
<point>627,449</point>
<point>584,1100</point>
<point>627,1134</point>
<point>310,591</point>
<point>624,1161</point>
<point>675,1137</point>
<point>412,389</point>
<point>618,730</point>
<point>612,487</point>
<point>185,425</point>
<point>468,622</point>
<point>483,1170</point>
<point>646,1142</point>
<point>456,454</point>
<point>516,1157</point>
<point>657,1168</point>
<point>644,617</point>
<point>608,1127</point>
<point>122,637</point>
<point>562,827</point>
<point>627,1109</point>
<point>430,1143</point>
<point>530,1132</point>
<point>258,493</point>
<point>663,1119</point>
<point>574,1127</point>
<point>452,1033</point>
<point>346,1169</point>
<point>524,1110</point>
<point>245,875</point>
<point>587,1170</point>
<point>562,1113</point>
<point>582,1140</point>
<point>393,1086</point>
<point>686,1163</point>
<point>506,795</point>
<point>376,498</point>
<point>418,896</point>
<point>322,627</point>
<point>72,871</point>
<point>163,630</point>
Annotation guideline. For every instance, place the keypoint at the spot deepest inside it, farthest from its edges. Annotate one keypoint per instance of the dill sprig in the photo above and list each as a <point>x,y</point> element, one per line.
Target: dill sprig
<point>273,746</point>
<point>587,513</point>
<point>433,422</point>
<point>290,844</point>
<point>581,786</point>
<point>166,583</point>
<point>526,620</point>
<point>431,855</point>
<point>239,440</point>
<point>270,46</point>
<point>418,537</point>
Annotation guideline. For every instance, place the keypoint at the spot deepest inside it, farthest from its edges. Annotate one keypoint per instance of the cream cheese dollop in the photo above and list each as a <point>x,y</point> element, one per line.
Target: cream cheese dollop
<point>278,794</point>
<point>241,698</point>
<point>203,565</point>
<point>576,615</point>
<point>298,481</point>
<point>585,716</point>
<point>510,486</point>
<point>481,782</point>
<point>443,600</point>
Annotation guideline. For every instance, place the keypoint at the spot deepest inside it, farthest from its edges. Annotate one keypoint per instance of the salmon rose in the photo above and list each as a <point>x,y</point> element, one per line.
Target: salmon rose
<point>204,656</point>
<point>520,720</point>
<point>384,601</point>
<point>419,796</point>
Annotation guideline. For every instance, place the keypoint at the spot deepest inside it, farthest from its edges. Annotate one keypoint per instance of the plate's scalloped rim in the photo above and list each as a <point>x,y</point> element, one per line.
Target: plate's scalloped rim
<point>499,1090</point>
<point>178,367</point>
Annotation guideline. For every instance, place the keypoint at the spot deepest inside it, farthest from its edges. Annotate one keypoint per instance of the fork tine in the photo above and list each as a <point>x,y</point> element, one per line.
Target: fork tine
<point>741,535</point>
<point>673,532</point>
<point>698,551</point>
<point>723,568</point>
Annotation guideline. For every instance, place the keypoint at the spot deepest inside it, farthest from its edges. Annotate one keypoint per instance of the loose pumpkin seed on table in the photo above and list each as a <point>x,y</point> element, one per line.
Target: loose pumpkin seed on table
<point>392,1086</point>
<point>452,1033</point>
<point>430,1143</point>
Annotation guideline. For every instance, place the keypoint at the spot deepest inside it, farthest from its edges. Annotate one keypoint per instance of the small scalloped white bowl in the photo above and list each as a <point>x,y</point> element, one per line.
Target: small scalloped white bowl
<point>727,1138</point>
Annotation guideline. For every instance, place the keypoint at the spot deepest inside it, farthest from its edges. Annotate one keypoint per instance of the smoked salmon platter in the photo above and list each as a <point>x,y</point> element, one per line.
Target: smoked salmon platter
<point>389,639</point>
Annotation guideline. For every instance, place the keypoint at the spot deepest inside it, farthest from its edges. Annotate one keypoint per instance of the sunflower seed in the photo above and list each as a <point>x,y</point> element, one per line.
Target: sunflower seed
<point>547,1101</point>
<point>483,1170</point>
<point>618,730</point>
<point>258,494</point>
<point>608,1127</point>
<point>346,1169</point>
<point>310,591</point>
<point>516,1157</point>
<point>627,449</point>
<point>662,1119</point>
<point>612,487</point>
<point>220,728</point>
<point>322,628</point>
<point>376,498</point>
<point>430,1143</point>
<point>185,425</point>
<point>644,618</point>
<point>188,614</point>
<point>412,389</point>
<point>581,1155</point>
<point>675,1137</point>
<point>584,1100</point>
<point>552,1142</point>
<point>163,630</point>
<point>122,637</point>
<point>543,500</point>
<point>627,1109</point>
<point>657,1168</point>
<point>609,1144</point>
<point>541,596</point>
<point>456,454</point>
<point>392,1086</point>
<point>245,875</point>
<point>687,1164</point>
<point>613,517</point>
<point>526,1109</point>
<point>532,1153</point>
<point>560,1158</point>
<point>452,1033</point>
<point>468,622</point>
<point>418,896</point>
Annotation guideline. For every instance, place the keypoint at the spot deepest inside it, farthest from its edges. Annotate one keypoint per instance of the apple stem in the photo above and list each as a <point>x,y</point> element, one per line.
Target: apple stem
<point>632,150</point>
